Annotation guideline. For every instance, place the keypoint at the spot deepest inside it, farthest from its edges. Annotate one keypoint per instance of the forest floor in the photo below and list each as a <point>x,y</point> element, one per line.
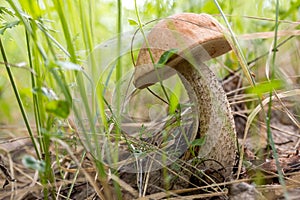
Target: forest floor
<point>258,178</point>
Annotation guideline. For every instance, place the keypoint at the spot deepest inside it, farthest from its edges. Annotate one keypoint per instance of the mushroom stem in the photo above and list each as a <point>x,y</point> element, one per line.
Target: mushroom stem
<point>215,118</point>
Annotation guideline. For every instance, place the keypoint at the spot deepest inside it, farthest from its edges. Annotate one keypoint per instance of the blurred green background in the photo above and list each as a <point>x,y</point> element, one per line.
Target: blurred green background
<point>92,22</point>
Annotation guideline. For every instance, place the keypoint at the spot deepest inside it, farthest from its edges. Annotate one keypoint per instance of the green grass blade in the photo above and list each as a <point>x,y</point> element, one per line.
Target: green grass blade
<point>20,103</point>
<point>269,113</point>
<point>236,47</point>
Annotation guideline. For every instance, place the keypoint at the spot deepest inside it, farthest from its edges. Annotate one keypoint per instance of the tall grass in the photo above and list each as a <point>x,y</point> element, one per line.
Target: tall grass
<point>272,72</point>
<point>48,72</point>
<point>250,78</point>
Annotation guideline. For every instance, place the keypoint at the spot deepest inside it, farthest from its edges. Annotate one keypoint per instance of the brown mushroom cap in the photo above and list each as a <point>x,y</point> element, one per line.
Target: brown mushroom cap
<point>200,35</point>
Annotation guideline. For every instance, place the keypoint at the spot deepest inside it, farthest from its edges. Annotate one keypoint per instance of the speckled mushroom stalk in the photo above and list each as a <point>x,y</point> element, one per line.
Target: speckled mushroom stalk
<point>197,37</point>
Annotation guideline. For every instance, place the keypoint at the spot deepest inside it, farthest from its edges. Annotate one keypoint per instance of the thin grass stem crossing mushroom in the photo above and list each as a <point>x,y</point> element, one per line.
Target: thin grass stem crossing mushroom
<point>195,38</point>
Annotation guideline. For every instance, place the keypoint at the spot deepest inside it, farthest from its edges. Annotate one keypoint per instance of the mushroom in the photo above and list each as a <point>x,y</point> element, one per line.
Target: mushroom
<point>196,38</point>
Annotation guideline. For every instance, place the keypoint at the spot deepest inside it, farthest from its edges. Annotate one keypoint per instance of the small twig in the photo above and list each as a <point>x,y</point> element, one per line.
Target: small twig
<point>6,174</point>
<point>157,96</point>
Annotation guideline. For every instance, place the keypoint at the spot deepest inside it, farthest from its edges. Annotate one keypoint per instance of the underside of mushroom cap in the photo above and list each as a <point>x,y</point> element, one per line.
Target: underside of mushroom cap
<point>193,36</point>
